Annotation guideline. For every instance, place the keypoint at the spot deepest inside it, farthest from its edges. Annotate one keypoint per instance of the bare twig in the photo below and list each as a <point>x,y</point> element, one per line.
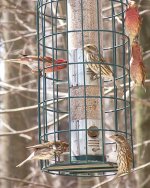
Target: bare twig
<point>27,97</point>
<point>33,128</point>
<point>145,182</point>
<point>110,7</point>
<point>13,130</point>
<point>9,50</point>
<point>110,89</point>
<point>140,144</point>
<point>20,88</point>
<point>22,23</point>
<point>146,55</point>
<point>31,34</point>
<point>114,178</point>
<point>25,108</point>
<point>24,181</point>
<point>144,12</point>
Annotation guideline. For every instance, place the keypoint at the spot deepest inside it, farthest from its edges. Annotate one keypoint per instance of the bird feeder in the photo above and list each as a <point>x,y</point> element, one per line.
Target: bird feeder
<point>72,106</point>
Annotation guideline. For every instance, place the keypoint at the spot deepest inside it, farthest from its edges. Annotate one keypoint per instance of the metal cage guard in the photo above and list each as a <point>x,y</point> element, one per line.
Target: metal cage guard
<point>71,105</point>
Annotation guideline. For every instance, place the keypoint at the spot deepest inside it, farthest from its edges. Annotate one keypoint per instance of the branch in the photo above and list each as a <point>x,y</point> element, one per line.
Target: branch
<point>13,130</point>
<point>31,34</point>
<point>33,128</point>
<point>145,182</point>
<point>18,109</point>
<point>110,89</point>
<point>24,181</point>
<point>27,97</point>
<point>18,77</point>
<point>110,7</point>
<point>144,12</point>
<point>114,178</point>
<point>19,38</point>
<point>22,23</point>
<point>146,55</point>
<point>26,107</point>
<point>140,144</point>
<point>20,88</point>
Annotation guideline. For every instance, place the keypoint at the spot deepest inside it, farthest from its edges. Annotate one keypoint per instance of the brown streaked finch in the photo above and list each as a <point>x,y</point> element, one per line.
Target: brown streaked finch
<point>46,151</point>
<point>132,21</point>
<point>124,154</point>
<point>92,55</point>
<point>137,68</point>
<point>47,61</point>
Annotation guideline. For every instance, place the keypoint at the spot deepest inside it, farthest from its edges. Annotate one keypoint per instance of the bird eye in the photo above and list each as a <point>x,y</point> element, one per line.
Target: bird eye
<point>117,135</point>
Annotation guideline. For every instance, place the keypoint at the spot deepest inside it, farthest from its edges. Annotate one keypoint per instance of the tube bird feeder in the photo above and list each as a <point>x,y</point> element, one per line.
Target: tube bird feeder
<point>74,107</point>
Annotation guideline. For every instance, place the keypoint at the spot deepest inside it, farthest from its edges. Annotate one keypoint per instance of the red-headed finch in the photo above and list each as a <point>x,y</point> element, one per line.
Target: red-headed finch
<point>92,56</point>
<point>124,154</point>
<point>32,63</point>
<point>132,21</point>
<point>46,151</point>
<point>137,68</point>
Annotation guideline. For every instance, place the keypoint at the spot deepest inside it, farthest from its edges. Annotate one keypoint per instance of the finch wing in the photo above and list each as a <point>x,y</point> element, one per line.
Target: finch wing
<point>43,145</point>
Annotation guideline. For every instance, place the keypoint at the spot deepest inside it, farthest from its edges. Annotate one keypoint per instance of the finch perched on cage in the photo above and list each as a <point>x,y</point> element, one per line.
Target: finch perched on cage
<point>132,21</point>
<point>124,154</point>
<point>137,68</point>
<point>32,63</point>
<point>92,56</point>
<point>46,151</point>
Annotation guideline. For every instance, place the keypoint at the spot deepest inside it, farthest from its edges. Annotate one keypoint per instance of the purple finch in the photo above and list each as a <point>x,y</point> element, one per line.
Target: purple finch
<point>132,21</point>
<point>92,56</point>
<point>137,68</point>
<point>32,63</point>
<point>46,151</point>
<point>124,154</point>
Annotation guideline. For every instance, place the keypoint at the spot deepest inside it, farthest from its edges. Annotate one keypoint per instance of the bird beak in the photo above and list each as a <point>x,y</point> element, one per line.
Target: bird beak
<point>112,137</point>
<point>84,47</point>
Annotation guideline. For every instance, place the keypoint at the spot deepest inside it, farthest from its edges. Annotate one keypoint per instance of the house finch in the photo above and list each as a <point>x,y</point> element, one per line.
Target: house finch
<point>124,154</point>
<point>137,68</point>
<point>32,63</point>
<point>46,151</point>
<point>132,21</point>
<point>91,53</point>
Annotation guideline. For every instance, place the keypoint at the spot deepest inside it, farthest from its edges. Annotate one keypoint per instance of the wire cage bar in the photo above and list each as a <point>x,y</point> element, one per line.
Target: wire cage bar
<point>73,106</point>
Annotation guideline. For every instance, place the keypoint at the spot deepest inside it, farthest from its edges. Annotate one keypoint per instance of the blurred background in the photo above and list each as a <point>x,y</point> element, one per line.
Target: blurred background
<point>18,102</point>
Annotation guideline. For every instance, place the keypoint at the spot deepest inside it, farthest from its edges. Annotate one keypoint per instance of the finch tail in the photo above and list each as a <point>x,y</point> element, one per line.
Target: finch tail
<point>29,158</point>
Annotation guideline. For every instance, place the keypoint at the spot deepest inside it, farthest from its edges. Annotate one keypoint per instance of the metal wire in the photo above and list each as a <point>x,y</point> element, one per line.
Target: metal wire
<point>84,162</point>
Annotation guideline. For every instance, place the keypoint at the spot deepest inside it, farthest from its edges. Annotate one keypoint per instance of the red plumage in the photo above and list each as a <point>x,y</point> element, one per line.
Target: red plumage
<point>47,61</point>
<point>137,68</point>
<point>46,151</point>
<point>132,21</point>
